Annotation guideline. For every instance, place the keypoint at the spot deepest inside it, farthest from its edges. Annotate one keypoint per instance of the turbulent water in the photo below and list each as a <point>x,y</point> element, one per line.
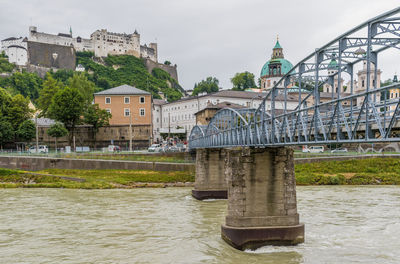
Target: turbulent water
<point>343,225</point>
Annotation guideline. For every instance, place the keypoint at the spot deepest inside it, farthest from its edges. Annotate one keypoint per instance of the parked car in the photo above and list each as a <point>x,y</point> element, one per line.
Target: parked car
<point>314,149</point>
<point>305,149</point>
<point>181,147</point>
<point>42,149</point>
<point>339,150</point>
<point>164,148</point>
<point>114,148</point>
<point>173,149</point>
<point>154,148</point>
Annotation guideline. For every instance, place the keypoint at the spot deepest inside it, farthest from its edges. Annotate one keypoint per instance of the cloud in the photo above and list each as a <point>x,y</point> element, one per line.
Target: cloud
<point>204,38</point>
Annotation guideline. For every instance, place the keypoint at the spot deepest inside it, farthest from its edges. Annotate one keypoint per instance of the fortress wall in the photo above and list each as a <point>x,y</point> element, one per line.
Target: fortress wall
<point>51,56</point>
<point>150,65</point>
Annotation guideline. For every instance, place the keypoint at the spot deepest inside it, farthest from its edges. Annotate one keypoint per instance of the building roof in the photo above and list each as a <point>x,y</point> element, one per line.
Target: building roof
<point>123,90</point>
<point>235,94</point>
<point>17,46</point>
<point>12,38</point>
<point>159,101</point>
<point>64,35</point>
<point>295,89</point>
<point>323,95</point>
<point>44,122</point>
<point>277,45</point>
<point>221,105</point>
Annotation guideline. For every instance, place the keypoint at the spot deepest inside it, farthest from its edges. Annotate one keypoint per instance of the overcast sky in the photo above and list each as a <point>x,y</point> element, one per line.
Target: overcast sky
<point>203,37</point>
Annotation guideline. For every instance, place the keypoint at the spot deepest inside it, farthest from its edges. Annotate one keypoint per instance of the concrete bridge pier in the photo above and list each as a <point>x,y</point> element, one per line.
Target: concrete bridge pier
<point>210,179</point>
<point>262,206</point>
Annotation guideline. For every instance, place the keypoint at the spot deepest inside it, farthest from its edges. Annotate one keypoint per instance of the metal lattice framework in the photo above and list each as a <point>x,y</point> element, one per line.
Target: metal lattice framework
<point>354,116</point>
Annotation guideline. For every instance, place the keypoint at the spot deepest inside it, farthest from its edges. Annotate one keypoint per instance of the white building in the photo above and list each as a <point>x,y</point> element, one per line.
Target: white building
<point>157,118</point>
<point>181,113</point>
<point>16,50</point>
<point>105,43</point>
<point>101,42</point>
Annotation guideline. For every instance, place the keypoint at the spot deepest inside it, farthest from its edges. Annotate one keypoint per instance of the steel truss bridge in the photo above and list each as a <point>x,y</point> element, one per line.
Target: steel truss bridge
<point>370,116</point>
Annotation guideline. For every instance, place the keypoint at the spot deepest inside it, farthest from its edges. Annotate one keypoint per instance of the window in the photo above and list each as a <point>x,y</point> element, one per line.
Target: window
<point>108,110</point>
<point>108,100</point>
<point>127,100</point>
<point>142,111</point>
<point>127,112</point>
<point>142,100</point>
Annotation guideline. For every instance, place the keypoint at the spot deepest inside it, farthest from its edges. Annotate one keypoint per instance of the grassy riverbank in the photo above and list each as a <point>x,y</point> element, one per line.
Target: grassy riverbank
<point>377,171</point>
<point>350,172</point>
<point>92,179</point>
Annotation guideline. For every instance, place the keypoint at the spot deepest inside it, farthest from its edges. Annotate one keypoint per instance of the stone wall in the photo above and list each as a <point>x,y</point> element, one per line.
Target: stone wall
<point>150,65</point>
<point>42,163</point>
<point>51,56</point>
<point>39,70</point>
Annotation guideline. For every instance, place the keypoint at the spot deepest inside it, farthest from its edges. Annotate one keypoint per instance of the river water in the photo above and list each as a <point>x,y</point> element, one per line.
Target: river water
<point>343,225</point>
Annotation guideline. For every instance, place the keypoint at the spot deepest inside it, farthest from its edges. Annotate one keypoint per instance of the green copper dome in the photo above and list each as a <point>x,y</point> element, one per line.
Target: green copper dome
<point>286,66</point>
<point>333,64</point>
<point>277,45</point>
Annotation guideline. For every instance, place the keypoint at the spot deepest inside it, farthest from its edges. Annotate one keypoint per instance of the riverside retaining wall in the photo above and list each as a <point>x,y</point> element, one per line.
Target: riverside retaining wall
<point>42,163</point>
<point>32,163</point>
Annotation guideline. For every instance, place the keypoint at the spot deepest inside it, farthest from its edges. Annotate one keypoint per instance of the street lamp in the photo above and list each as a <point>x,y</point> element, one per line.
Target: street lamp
<point>130,131</point>
<point>37,133</point>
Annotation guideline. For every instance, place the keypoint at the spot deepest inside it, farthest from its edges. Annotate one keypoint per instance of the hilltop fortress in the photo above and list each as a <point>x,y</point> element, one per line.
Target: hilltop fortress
<point>101,42</point>
<point>41,51</point>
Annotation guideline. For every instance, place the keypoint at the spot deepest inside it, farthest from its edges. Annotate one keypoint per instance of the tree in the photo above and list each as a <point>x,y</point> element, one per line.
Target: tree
<point>5,102</point>
<point>209,85</point>
<point>67,107</point>
<point>167,62</point>
<point>96,117</point>
<point>27,84</point>
<point>26,130</point>
<point>57,130</point>
<point>80,82</point>
<point>50,87</point>
<point>18,111</point>
<point>6,131</point>
<point>62,75</point>
<point>5,66</point>
<point>242,81</point>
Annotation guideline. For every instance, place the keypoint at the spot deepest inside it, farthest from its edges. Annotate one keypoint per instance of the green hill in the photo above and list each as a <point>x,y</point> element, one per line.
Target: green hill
<point>113,71</point>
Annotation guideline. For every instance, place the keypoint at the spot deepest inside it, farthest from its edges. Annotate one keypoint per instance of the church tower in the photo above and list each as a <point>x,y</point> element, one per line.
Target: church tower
<point>362,81</point>
<point>275,68</point>
<point>277,51</point>
<point>333,69</point>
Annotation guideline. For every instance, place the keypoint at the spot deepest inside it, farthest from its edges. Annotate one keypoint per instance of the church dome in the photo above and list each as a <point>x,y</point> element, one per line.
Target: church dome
<point>333,65</point>
<point>286,66</point>
<point>277,66</point>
